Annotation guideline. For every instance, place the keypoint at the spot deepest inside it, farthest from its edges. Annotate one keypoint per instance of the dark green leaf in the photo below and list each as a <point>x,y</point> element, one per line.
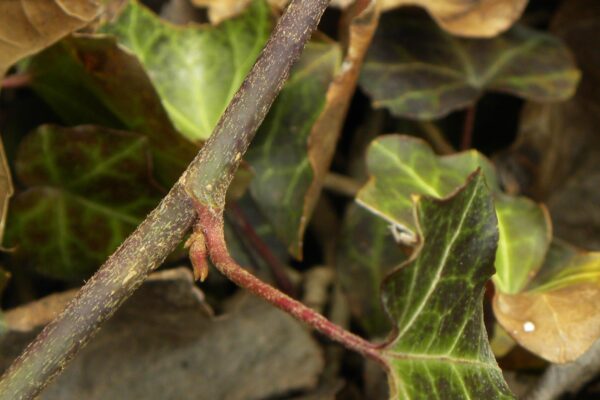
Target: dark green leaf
<point>89,187</point>
<point>440,349</point>
<point>196,69</point>
<point>417,70</point>
<point>279,155</point>
<point>93,80</point>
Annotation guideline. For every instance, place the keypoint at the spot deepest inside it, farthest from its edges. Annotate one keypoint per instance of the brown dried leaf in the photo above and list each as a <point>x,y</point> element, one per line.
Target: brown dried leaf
<point>163,344</point>
<point>559,325</point>
<point>6,189</point>
<point>27,26</point>
<point>558,317</point>
<point>220,10</point>
<point>471,18</point>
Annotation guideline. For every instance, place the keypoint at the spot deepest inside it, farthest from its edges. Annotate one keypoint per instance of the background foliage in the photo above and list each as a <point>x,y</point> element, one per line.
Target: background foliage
<point>353,196</point>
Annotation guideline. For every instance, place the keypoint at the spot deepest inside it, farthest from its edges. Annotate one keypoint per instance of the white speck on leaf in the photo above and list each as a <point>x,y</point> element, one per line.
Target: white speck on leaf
<point>528,327</point>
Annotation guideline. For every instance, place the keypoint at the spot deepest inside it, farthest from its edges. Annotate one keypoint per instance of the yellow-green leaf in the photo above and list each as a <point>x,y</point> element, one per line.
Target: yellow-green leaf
<point>195,69</point>
<point>402,166</point>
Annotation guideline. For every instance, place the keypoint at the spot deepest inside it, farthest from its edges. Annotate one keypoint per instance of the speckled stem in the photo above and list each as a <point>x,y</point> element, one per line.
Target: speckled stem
<point>101,296</point>
<point>206,179</point>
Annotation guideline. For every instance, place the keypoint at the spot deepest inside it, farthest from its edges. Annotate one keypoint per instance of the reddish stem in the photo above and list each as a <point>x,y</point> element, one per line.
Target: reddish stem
<point>211,223</point>
<point>467,136</point>
<point>16,81</point>
<point>277,268</point>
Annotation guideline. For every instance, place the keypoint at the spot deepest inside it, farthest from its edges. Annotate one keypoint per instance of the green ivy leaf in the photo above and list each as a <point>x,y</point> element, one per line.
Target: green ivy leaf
<point>92,80</point>
<point>89,187</point>
<point>196,69</point>
<point>366,253</point>
<point>417,70</point>
<point>440,349</point>
<point>279,155</point>
<point>206,66</point>
<point>402,166</point>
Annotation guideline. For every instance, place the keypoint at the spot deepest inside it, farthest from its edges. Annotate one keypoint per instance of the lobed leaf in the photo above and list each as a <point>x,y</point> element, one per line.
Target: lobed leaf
<point>402,166</point>
<point>196,70</point>
<point>440,349</point>
<point>88,188</point>
<point>416,70</point>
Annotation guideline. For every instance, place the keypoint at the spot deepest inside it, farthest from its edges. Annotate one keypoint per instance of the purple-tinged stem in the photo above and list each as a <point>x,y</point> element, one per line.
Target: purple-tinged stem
<point>211,223</point>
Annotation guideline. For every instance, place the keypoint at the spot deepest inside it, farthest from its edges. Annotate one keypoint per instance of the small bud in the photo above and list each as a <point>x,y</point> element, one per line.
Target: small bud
<point>197,254</point>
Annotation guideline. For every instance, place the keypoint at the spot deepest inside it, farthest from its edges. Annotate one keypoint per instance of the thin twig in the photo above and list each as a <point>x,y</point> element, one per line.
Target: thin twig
<point>341,184</point>
<point>206,179</point>
<point>469,125</point>
<point>275,265</point>
<point>211,224</point>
